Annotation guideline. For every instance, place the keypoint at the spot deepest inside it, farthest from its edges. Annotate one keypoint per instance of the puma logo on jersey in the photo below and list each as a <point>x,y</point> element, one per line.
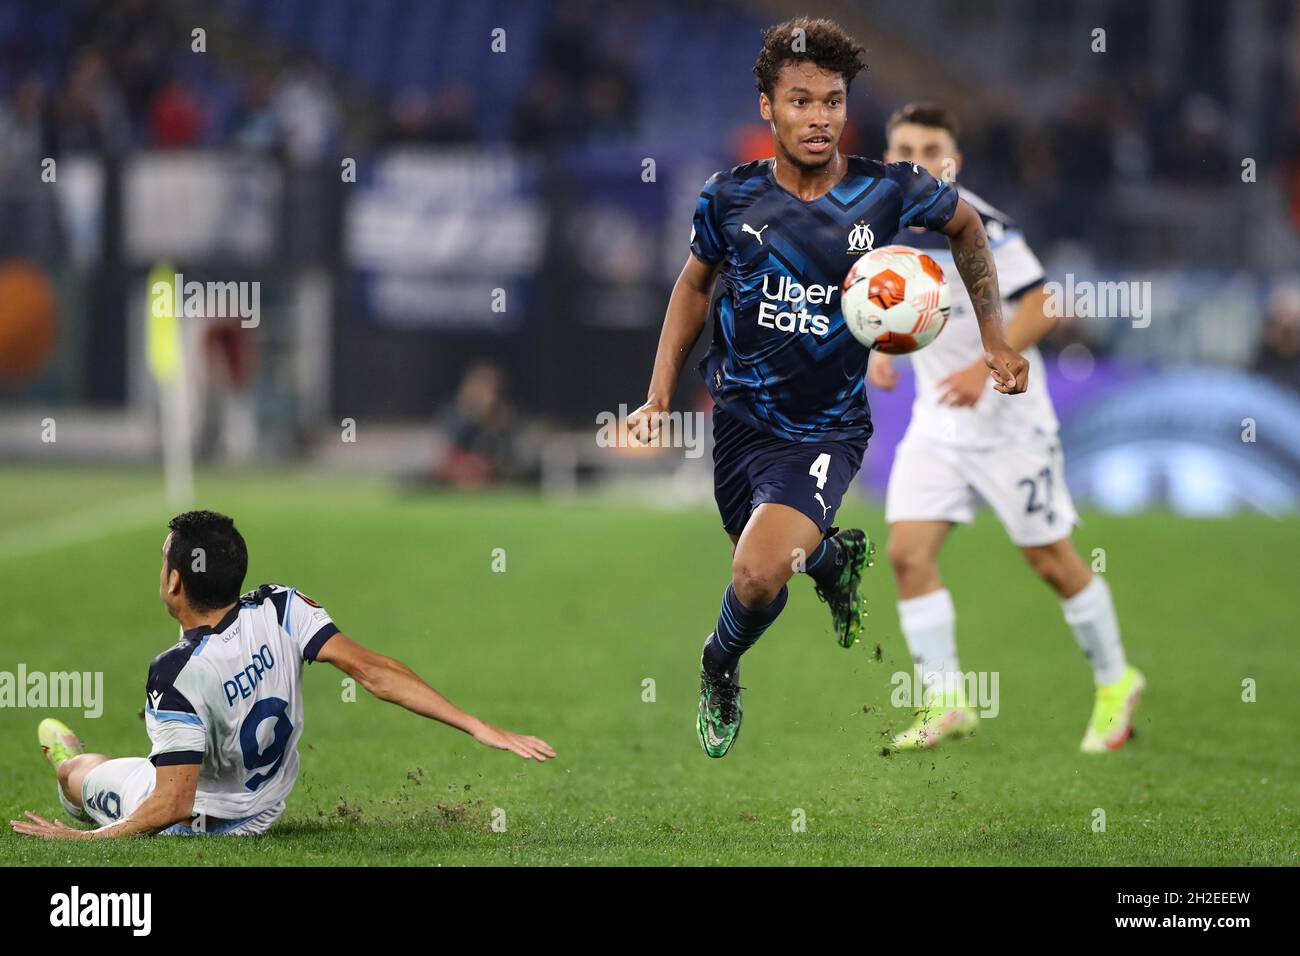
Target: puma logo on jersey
<point>746,227</point>
<point>825,506</point>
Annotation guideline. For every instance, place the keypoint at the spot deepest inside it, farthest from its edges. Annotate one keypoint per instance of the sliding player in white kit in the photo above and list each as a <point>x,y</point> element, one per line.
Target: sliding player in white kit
<point>224,705</point>
<point>965,440</point>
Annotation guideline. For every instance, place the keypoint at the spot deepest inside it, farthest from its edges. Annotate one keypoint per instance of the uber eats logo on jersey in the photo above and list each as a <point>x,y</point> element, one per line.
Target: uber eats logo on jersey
<point>780,292</point>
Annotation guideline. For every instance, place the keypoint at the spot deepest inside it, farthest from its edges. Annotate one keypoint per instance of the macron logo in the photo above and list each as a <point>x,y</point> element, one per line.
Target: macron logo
<point>746,227</point>
<point>75,908</point>
<point>155,699</point>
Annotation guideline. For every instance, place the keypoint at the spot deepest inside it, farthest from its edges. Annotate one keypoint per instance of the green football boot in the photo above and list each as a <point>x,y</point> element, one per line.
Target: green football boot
<point>841,596</point>
<point>1111,724</point>
<point>944,717</point>
<point>718,725</point>
<point>58,742</point>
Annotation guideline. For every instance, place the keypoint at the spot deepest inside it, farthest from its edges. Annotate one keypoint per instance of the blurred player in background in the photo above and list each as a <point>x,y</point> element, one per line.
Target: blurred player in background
<point>480,427</point>
<point>964,440</point>
<point>790,419</point>
<point>224,706</point>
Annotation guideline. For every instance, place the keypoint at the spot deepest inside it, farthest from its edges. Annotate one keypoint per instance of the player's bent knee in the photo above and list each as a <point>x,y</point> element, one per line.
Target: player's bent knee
<point>909,560</point>
<point>73,770</point>
<point>755,585</point>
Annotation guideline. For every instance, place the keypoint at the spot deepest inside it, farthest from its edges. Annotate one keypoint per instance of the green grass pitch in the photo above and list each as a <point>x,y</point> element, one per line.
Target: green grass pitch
<point>599,597</point>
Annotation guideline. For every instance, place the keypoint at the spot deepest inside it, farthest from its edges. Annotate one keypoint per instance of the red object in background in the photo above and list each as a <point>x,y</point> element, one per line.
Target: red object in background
<point>27,321</point>
<point>467,469</point>
<point>175,118</point>
<point>751,143</point>
<point>755,142</point>
<point>227,347</point>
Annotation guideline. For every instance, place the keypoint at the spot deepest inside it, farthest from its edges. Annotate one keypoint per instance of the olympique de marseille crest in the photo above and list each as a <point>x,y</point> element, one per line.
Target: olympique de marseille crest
<point>861,239</point>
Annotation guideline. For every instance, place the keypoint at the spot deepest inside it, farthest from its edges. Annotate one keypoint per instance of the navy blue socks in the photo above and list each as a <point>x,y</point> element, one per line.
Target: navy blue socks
<point>739,629</point>
<point>824,564</point>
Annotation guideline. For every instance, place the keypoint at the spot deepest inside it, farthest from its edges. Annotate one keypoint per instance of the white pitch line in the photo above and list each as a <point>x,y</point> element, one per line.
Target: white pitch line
<point>83,526</point>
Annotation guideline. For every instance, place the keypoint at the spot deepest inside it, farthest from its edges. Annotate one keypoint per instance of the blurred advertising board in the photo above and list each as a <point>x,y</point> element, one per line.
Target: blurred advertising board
<point>201,206</point>
<point>444,241</point>
<point>1198,440</point>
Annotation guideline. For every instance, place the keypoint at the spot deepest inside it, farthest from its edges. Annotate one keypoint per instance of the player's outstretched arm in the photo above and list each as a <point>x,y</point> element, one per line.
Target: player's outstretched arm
<point>393,681</point>
<point>688,311</point>
<point>172,801</point>
<point>1027,327</point>
<point>974,260</point>
<point>1031,323</point>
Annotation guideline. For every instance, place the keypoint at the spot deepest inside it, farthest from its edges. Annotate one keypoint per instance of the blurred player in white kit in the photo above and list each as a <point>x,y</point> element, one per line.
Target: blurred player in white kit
<point>966,440</point>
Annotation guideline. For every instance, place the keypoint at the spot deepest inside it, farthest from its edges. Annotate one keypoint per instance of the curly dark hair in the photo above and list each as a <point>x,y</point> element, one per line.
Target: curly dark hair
<point>822,42</point>
<point>215,582</point>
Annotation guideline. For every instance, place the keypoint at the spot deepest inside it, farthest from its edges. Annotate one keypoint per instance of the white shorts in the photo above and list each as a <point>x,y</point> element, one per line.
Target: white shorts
<point>113,790</point>
<point>1024,484</point>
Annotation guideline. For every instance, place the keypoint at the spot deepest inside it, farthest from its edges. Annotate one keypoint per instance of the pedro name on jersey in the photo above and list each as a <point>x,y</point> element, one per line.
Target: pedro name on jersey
<point>781,357</point>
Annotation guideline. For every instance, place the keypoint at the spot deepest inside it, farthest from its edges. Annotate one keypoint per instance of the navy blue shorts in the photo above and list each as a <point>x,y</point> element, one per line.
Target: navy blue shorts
<point>751,467</point>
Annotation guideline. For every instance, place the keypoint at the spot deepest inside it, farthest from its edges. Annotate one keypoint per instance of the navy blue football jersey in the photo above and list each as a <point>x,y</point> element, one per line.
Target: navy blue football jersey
<point>782,358</point>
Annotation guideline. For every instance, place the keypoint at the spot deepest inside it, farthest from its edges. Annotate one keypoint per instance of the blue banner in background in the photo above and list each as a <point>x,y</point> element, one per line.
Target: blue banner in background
<point>1201,441</point>
<point>444,241</point>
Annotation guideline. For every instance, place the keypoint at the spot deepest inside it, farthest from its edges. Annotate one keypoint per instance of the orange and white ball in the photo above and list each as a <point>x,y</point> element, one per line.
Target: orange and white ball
<point>895,299</point>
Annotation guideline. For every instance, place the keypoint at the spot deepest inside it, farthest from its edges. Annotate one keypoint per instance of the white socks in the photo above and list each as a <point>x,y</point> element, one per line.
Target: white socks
<point>1091,615</point>
<point>929,625</point>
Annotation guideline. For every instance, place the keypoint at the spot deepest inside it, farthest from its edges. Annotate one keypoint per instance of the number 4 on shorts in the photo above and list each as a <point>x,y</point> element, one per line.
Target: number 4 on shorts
<point>820,466</point>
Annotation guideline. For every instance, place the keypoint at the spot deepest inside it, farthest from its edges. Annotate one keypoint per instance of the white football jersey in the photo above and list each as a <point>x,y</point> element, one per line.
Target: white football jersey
<point>229,698</point>
<point>996,418</point>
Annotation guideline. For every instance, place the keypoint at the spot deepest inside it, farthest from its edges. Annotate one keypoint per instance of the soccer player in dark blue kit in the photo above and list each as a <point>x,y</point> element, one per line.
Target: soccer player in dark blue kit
<point>790,419</point>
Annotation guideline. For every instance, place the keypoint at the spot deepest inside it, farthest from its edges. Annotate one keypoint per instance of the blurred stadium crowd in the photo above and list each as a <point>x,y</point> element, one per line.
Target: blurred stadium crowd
<point>1123,161</point>
<point>115,75</point>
